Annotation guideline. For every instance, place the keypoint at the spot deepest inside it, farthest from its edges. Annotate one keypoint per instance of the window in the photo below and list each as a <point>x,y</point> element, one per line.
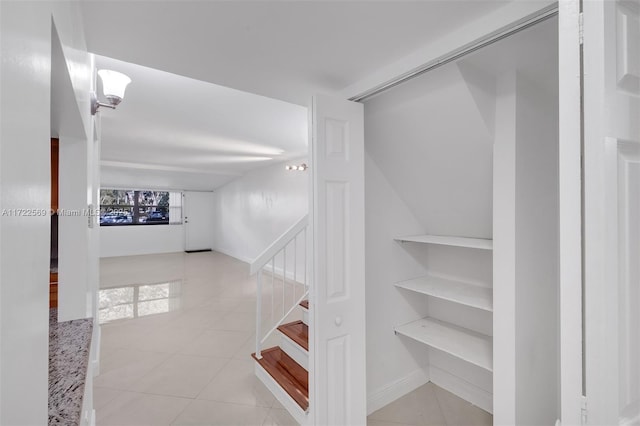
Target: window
<point>120,207</point>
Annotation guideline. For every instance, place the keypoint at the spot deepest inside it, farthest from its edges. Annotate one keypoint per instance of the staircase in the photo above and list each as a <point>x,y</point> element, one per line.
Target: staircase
<point>282,308</point>
<point>283,369</point>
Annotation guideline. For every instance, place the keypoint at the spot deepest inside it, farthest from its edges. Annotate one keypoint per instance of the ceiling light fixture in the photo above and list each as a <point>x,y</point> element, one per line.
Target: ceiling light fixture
<point>302,167</point>
<point>113,86</point>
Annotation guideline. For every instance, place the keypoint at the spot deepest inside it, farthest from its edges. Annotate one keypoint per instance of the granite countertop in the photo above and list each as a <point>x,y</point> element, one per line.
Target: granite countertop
<point>69,347</point>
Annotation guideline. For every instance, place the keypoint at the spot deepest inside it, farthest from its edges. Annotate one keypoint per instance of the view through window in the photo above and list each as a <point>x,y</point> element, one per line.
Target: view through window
<point>139,207</point>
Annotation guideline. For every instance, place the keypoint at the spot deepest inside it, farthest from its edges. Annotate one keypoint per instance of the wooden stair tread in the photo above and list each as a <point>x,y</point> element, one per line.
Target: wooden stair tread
<point>305,304</point>
<point>292,377</point>
<point>296,331</point>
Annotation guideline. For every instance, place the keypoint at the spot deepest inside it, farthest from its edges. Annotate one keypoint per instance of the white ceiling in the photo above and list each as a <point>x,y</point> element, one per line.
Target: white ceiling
<point>177,132</point>
<point>282,49</point>
<point>182,130</point>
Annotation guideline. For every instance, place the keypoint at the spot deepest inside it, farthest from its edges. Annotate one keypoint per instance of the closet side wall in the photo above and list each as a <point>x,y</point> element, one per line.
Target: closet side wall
<point>537,234</point>
<point>526,207</point>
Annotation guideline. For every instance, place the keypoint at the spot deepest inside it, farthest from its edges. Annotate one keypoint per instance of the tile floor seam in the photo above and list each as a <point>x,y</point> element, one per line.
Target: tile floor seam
<point>179,414</point>
<point>214,377</point>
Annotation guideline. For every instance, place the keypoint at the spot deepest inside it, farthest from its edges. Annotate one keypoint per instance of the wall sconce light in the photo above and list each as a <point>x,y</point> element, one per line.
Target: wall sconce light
<point>113,86</point>
<point>302,167</point>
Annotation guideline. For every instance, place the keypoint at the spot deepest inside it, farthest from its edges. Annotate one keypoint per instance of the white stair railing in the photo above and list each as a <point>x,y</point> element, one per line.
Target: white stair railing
<point>278,295</point>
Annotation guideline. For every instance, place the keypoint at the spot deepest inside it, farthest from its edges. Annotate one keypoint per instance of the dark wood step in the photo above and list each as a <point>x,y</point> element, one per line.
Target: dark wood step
<point>290,375</point>
<point>305,304</point>
<point>296,331</point>
<point>53,290</point>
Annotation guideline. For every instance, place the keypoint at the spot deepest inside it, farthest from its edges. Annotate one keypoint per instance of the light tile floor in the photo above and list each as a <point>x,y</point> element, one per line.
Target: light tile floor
<point>177,336</point>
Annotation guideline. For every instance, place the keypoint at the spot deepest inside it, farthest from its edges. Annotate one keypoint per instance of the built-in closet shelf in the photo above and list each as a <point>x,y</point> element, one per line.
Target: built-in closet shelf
<point>443,240</point>
<point>467,345</point>
<point>451,290</point>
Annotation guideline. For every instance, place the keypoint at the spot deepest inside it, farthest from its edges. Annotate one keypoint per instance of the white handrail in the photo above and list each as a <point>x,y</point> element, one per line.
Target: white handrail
<point>266,256</point>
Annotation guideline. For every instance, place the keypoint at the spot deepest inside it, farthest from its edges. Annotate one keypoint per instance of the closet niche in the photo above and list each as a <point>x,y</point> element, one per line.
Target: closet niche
<point>462,231</point>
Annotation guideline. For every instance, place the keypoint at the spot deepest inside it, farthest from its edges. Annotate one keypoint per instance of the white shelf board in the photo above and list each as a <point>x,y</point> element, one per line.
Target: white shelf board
<point>465,344</point>
<point>477,243</point>
<point>454,291</point>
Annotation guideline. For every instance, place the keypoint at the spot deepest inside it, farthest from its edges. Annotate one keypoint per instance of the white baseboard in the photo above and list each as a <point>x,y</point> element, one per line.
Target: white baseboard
<point>397,389</point>
<point>460,387</point>
<point>227,253</point>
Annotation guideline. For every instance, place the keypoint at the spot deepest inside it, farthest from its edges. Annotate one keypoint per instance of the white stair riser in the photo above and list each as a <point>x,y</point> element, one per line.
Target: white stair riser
<point>295,351</point>
<point>305,316</point>
<point>283,397</point>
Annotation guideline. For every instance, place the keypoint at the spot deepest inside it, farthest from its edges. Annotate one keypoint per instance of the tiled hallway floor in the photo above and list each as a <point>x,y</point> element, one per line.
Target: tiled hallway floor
<point>177,336</point>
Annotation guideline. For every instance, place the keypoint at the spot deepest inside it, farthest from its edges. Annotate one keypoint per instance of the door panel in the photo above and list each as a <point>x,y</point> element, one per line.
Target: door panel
<point>612,211</point>
<point>198,220</point>
<point>628,167</point>
<point>337,302</point>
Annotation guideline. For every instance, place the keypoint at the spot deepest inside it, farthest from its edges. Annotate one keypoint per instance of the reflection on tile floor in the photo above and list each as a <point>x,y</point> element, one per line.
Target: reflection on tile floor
<point>138,300</point>
<point>177,336</point>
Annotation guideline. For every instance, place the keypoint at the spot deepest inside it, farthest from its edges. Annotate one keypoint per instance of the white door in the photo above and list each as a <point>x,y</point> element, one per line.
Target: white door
<point>612,211</point>
<point>338,387</point>
<point>198,220</point>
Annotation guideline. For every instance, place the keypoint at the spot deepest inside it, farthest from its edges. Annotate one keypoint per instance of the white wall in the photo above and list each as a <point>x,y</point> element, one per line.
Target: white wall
<point>526,283</point>
<point>395,365</point>
<point>537,236</point>
<point>25,131</point>
<point>137,240</point>
<point>504,251</point>
<point>431,143</point>
<point>253,211</point>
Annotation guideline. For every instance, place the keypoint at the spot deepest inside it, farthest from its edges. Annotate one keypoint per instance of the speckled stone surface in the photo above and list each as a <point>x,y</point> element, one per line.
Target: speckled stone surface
<point>69,346</point>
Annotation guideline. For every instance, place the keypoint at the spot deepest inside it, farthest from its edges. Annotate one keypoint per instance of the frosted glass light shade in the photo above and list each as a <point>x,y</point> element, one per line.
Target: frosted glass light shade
<point>113,84</point>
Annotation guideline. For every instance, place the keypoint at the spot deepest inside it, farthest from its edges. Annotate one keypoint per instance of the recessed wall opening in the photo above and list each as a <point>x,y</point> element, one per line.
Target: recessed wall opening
<point>462,230</point>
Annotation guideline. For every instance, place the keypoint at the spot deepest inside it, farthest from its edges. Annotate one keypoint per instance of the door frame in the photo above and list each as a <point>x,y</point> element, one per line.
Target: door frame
<point>571,199</point>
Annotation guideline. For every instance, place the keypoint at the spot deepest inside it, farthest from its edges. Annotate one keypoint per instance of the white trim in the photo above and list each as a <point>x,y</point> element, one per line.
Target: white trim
<point>283,397</point>
<point>570,232</point>
<point>396,389</point>
<point>460,387</point>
